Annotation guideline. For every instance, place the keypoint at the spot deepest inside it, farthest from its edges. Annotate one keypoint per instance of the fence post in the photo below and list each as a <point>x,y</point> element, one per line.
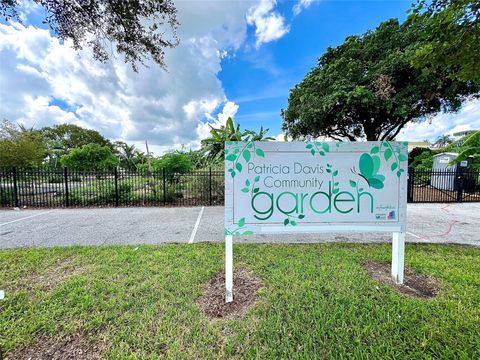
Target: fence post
<point>459,184</point>
<point>65,175</point>
<point>116,187</point>
<point>210,190</point>
<point>164,188</point>
<point>410,182</point>
<point>15,187</point>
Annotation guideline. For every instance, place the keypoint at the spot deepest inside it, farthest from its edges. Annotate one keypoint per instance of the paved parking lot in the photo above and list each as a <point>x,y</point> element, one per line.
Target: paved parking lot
<point>436,223</point>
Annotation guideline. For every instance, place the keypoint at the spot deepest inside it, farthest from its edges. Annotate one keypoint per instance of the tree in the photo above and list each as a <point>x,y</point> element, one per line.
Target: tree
<point>90,157</point>
<point>20,146</point>
<point>368,88</point>
<point>62,138</point>
<point>442,141</point>
<point>140,29</point>
<point>450,37</point>
<point>130,157</point>
<point>213,147</point>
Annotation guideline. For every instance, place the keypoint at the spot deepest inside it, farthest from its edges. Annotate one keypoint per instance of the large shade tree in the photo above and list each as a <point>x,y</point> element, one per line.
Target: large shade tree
<point>138,29</point>
<point>367,88</point>
<point>450,37</point>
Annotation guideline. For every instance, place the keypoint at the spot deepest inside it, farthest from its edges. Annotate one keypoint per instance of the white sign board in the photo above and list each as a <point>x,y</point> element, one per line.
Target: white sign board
<point>290,187</point>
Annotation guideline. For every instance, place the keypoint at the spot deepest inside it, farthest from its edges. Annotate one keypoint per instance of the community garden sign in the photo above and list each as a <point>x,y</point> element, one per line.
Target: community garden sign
<point>308,187</point>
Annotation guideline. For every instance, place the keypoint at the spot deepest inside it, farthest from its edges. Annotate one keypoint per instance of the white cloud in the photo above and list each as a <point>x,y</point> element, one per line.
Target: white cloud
<point>300,5</point>
<point>203,130</point>
<point>38,73</point>
<point>468,118</point>
<point>269,25</point>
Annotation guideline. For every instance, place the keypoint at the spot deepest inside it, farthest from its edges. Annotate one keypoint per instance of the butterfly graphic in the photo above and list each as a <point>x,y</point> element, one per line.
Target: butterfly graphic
<point>369,166</point>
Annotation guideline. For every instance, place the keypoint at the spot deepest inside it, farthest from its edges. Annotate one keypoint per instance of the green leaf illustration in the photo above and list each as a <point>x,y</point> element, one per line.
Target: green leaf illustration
<point>239,167</point>
<point>257,178</point>
<point>256,190</point>
<point>309,146</point>
<point>374,150</point>
<point>402,157</point>
<point>312,151</point>
<point>231,157</point>
<point>335,173</point>
<point>353,183</point>
<point>326,147</point>
<point>387,154</point>
<point>293,222</point>
<point>248,232</point>
<point>245,190</point>
<point>335,190</point>
<point>321,153</point>
<point>246,155</point>
<point>232,173</point>
<point>260,152</point>
<point>286,221</point>
<point>301,216</point>
<point>241,222</point>
<point>329,171</point>
<point>394,166</point>
<point>247,182</point>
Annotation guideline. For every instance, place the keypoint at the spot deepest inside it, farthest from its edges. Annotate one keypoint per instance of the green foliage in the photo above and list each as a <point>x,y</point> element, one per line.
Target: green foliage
<point>213,147</point>
<point>20,146</point>
<point>450,38</point>
<point>93,195</point>
<point>60,139</point>
<point>140,30</point>
<point>130,157</point>
<point>90,157</point>
<point>470,147</point>
<point>368,88</point>
<point>6,196</point>
<point>414,157</point>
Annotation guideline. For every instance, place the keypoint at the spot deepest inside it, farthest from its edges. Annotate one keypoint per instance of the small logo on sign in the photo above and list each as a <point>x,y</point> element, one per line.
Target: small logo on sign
<point>391,215</point>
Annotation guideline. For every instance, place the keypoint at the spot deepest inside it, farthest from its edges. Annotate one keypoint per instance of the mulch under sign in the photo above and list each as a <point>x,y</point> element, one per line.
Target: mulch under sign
<point>245,288</point>
<point>416,285</point>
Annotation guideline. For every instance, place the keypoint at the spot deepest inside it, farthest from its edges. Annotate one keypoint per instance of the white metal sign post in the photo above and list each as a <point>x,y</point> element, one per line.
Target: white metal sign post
<point>314,187</point>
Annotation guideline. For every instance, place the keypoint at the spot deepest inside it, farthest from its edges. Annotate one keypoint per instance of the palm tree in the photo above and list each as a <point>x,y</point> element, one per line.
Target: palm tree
<point>443,140</point>
<point>470,147</point>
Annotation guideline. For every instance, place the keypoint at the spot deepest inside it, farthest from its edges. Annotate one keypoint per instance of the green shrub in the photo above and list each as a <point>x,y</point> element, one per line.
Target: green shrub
<point>6,197</point>
<point>56,179</point>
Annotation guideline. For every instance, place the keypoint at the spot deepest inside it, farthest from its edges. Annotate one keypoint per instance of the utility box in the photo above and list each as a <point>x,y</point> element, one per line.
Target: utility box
<point>444,174</point>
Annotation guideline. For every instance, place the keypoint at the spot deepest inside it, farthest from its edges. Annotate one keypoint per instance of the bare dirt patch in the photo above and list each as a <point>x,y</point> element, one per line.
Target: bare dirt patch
<point>414,284</point>
<point>53,275</point>
<point>73,347</point>
<point>245,289</point>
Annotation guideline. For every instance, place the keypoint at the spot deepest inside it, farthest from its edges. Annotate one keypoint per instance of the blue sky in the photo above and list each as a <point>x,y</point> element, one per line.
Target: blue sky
<point>259,80</point>
<point>235,58</point>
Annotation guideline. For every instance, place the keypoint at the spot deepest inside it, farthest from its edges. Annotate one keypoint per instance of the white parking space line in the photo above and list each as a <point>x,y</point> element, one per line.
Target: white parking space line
<point>27,217</point>
<point>410,233</point>
<point>195,228</point>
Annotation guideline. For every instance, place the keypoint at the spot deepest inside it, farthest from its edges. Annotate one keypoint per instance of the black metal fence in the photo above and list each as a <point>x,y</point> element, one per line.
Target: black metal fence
<point>41,188</point>
<point>460,185</point>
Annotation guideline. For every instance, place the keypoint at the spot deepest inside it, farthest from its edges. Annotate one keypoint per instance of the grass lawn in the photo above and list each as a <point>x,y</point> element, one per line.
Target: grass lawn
<point>317,302</point>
